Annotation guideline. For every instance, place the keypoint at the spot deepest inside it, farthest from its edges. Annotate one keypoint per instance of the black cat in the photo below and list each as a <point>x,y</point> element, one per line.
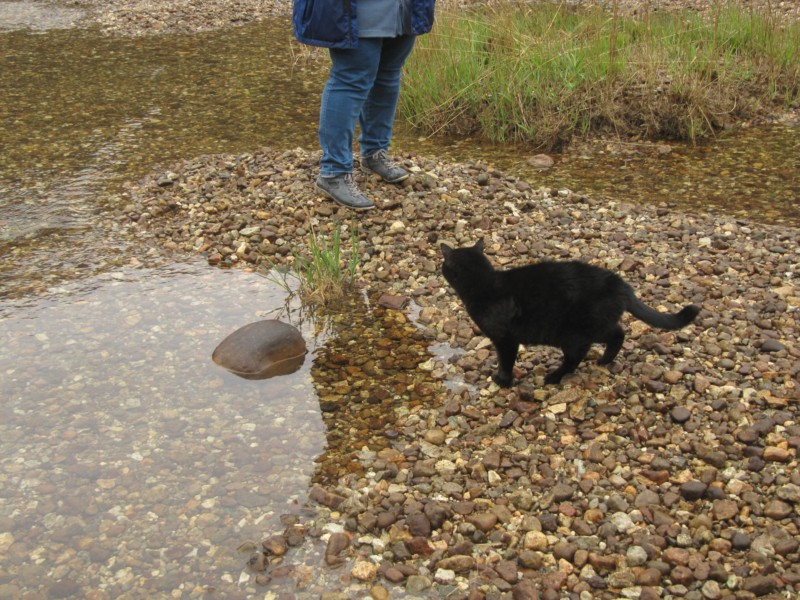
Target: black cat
<point>569,305</point>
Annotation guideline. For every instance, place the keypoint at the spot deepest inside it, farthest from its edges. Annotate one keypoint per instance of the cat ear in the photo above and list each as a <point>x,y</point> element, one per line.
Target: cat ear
<point>479,245</point>
<point>446,250</point>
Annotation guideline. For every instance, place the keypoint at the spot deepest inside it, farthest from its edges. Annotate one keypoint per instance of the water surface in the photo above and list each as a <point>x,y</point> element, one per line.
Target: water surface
<point>125,451</point>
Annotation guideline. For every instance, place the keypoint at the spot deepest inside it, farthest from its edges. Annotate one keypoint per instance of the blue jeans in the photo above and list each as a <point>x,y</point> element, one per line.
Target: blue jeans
<point>363,87</point>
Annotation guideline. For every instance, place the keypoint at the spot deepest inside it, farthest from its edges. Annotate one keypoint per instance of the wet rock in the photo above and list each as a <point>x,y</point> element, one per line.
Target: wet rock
<point>64,588</point>
<point>262,350</point>
<point>541,161</point>
<point>337,543</point>
<point>760,585</point>
<point>393,301</point>
<point>364,570</point>
<point>416,584</point>
<point>275,545</point>
<point>329,499</point>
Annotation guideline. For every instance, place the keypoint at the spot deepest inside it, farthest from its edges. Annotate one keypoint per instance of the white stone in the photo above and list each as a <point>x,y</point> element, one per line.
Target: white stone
<point>622,522</point>
<point>364,570</point>
<point>445,576</point>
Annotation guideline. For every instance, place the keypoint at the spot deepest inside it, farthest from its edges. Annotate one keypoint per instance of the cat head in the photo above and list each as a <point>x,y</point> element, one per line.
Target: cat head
<point>463,266</point>
<point>448,250</point>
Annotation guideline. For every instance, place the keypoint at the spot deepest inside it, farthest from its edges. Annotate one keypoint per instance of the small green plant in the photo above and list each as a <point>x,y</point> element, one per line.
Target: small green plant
<point>325,272</point>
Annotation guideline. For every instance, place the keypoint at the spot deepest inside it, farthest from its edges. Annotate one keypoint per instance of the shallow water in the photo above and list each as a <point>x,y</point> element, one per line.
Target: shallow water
<point>750,173</point>
<point>82,112</point>
<point>37,16</point>
<point>124,448</point>
<point>129,462</point>
<point>125,451</point>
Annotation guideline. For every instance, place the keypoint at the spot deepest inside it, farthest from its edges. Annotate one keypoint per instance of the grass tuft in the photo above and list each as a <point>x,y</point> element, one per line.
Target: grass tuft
<point>326,272</point>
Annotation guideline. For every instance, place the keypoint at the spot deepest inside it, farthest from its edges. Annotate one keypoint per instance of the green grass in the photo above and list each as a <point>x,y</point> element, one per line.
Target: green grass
<point>326,271</point>
<point>542,73</point>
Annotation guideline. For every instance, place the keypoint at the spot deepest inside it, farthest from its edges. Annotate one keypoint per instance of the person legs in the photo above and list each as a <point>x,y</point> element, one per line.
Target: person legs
<point>352,74</point>
<point>363,87</point>
<point>377,115</point>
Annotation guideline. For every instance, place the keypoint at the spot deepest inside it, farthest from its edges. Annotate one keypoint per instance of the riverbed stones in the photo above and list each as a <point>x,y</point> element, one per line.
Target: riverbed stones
<point>601,477</point>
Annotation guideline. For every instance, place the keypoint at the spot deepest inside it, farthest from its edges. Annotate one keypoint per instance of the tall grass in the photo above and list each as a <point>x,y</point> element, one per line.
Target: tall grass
<point>542,73</point>
<point>326,271</point>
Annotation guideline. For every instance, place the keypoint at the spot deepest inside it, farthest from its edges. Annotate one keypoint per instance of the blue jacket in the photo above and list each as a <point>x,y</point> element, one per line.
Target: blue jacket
<point>334,23</point>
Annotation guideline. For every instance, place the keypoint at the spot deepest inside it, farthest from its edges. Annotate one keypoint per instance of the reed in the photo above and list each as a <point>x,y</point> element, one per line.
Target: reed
<point>543,73</point>
<point>325,271</point>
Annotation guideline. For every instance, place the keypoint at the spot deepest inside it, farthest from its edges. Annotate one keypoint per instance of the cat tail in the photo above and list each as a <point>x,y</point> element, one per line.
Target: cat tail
<point>654,318</point>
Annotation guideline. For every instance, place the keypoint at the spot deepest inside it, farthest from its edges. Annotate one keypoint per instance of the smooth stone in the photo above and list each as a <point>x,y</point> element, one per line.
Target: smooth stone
<point>262,350</point>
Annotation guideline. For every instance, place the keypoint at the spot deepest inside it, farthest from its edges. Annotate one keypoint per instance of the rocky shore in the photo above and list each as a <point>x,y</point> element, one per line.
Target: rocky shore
<point>671,474</point>
<point>147,17</point>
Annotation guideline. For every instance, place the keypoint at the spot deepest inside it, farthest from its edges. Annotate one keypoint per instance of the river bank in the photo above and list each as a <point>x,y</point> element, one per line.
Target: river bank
<point>674,472</point>
<point>147,17</point>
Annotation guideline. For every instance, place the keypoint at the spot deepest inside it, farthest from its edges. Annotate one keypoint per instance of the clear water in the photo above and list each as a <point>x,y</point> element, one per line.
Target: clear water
<point>129,462</point>
<point>128,459</point>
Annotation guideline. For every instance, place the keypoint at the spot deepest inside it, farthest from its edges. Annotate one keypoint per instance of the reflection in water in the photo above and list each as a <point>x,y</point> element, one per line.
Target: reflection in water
<point>130,462</point>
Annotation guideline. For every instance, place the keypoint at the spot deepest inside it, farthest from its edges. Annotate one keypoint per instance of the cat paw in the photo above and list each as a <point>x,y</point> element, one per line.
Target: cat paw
<point>552,378</point>
<point>502,380</point>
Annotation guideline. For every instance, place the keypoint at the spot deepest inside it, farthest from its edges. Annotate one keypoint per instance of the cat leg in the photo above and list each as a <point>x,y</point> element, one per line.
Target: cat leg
<point>613,344</point>
<point>572,358</point>
<point>506,357</point>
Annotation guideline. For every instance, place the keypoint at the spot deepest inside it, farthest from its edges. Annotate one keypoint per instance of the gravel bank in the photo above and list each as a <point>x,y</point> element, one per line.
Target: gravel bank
<point>671,474</point>
<point>146,17</point>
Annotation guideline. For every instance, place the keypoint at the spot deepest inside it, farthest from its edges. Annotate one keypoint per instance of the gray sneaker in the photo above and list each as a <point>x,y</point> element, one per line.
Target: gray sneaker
<point>344,190</point>
<point>383,166</point>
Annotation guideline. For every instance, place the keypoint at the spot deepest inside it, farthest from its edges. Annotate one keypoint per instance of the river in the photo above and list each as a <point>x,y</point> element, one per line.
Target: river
<point>129,462</point>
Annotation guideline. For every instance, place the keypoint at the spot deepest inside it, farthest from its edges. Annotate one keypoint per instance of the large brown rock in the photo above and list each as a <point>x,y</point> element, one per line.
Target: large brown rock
<point>261,350</point>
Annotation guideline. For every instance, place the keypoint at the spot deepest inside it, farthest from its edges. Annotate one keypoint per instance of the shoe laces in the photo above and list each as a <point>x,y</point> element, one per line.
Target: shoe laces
<point>350,184</point>
<point>383,157</point>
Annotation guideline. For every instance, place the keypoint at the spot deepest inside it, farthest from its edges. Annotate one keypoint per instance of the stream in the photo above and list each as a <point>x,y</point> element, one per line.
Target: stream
<point>129,462</point>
